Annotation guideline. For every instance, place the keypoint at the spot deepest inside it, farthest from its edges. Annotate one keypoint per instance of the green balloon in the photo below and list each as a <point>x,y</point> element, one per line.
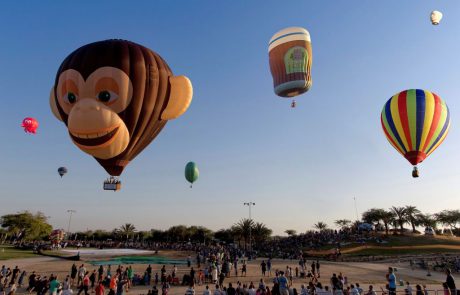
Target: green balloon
<point>191,172</point>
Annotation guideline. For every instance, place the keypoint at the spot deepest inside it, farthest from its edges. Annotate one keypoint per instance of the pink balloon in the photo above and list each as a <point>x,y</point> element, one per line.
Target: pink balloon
<point>30,125</point>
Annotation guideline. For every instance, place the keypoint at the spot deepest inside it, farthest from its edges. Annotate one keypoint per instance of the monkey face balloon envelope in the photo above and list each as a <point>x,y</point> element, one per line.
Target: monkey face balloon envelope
<point>115,97</point>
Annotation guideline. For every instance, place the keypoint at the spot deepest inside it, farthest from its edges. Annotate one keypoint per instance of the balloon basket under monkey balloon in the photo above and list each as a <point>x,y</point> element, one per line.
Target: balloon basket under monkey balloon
<point>112,184</point>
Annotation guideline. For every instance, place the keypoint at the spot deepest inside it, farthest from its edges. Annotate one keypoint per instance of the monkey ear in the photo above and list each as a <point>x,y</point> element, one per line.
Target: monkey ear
<point>53,105</point>
<point>180,97</point>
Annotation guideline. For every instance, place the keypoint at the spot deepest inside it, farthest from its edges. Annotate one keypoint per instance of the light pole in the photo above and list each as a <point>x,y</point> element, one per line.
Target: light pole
<point>356,209</point>
<point>250,204</point>
<point>70,219</point>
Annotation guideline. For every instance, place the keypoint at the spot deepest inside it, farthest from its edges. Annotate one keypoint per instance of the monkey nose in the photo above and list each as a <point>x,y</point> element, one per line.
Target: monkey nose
<point>88,104</point>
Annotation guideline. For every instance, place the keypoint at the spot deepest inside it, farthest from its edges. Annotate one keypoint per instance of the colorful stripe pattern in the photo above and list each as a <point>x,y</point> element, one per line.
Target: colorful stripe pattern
<point>415,123</point>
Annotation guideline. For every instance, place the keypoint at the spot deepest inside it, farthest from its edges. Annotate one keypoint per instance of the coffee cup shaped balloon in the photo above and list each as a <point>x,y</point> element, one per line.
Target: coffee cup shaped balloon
<point>290,56</point>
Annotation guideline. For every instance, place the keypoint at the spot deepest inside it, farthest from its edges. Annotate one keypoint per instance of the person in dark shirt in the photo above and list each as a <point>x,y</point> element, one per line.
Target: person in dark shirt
<point>450,282</point>
<point>231,290</point>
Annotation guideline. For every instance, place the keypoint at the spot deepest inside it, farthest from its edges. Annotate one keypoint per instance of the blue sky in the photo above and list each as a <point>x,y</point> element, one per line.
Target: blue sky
<point>298,165</point>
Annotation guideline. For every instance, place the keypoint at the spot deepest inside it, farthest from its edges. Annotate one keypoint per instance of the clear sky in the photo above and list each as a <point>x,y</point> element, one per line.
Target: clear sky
<point>298,165</point>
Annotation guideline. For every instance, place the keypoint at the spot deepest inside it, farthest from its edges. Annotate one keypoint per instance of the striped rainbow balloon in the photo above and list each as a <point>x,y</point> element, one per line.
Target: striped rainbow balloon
<point>415,122</point>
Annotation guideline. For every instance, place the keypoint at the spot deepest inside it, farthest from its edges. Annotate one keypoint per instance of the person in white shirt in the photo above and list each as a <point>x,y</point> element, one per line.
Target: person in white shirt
<point>371,291</point>
<point>408,289</point>
<point>207,291</point>
<point>217,291</point>
<point>354,290</point>
<point>303,290</point>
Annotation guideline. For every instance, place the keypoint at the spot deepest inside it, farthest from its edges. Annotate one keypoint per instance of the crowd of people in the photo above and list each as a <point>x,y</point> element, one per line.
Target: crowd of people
<point>211,269</point>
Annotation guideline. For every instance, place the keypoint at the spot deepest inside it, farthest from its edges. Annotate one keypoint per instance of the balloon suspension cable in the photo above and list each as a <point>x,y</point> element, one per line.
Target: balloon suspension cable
<point>293,103</point>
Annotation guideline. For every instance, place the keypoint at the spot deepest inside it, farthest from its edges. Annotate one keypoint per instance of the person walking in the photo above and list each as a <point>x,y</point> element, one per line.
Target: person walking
<point>100,288</point>
<point>450,282</point>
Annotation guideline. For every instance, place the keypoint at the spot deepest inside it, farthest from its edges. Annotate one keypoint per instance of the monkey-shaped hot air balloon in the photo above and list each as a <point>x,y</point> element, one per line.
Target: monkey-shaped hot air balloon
<point>115,97</point>
<point>435,17</point>
<point>290,56</point>
<point>415,122</point>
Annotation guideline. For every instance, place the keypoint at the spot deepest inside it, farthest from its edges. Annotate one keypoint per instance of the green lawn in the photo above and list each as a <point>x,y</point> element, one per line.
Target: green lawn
<point>9,252</point>
<point>396,252</point>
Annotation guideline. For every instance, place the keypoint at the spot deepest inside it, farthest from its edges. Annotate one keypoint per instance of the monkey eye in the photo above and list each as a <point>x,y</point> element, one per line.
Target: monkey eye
<point>107,96</point>
<point>70,97</point>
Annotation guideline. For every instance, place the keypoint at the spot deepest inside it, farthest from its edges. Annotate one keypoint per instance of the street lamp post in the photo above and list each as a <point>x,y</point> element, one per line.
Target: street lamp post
<point>250,204</point>
<point>70,219</point>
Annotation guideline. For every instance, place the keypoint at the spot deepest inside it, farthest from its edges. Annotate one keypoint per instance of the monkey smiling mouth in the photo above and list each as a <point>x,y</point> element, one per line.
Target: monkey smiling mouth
<point>93,139</point>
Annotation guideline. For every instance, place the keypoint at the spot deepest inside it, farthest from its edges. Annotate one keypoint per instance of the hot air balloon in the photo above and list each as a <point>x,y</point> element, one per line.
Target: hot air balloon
<point>30,125</point>
<point>290,58</point>
<point>415,122</point>
<point>115,97</point>
<point>191,172</point>
<point>62,171</point>
<point>435,17</point>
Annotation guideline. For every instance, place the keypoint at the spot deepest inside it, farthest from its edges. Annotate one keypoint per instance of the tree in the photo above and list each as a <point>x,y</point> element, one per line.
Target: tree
<point>400,215</point>
<point>243,229</point>
<point>26,226</point>
<point>411,216</point>
<point>260,233</point>
<point>343,223</point>
<point>387,217</point>
<point>449,218</point>
<point>127,230</point>
<point>373,215</point>
<point>427,220</point>
<point>321,226</point>
<point>157,235</point>
<point>290,232</point>
<point>225,235</point>
<point>177,233</point>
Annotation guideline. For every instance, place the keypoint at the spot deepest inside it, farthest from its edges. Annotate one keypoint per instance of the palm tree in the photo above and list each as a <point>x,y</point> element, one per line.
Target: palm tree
<point>411,216</point>
<point>260,233</point>
<point>321,226</point>
<point>400,215</point>
<point>290,232</point>
<point>126,230</point>
<point>343,223</point>
<point>387,218</point>
<point>243,229</point>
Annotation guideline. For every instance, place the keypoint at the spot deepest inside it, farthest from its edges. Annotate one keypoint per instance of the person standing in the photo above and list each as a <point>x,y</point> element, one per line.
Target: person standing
<point>149,274</point>
<point>54,286</point>
<point>190,290</point>
<point>450,282</point>
<point>92,279</point>
<point>100,273</point>
<point>81,274</point>
<point>263,267</point>
<point>100,288</point>
<point>391,278</point>
<point>283,284</point>
<point>269,266</point>
<point>207,291</point>
<point>84,284</point>
<point>317,267</point>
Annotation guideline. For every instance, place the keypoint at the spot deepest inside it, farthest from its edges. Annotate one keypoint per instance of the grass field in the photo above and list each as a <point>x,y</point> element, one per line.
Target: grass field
<point>9,252</point>
<point>398,245</point>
